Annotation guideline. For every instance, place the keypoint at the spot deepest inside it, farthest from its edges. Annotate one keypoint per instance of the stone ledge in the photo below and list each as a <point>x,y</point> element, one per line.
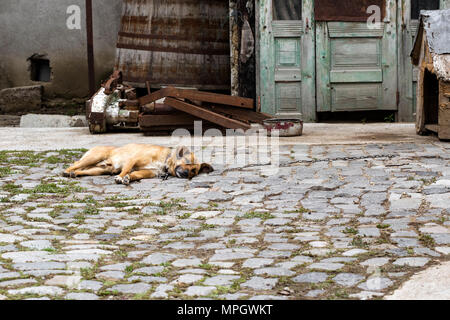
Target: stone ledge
<point>52,121</point>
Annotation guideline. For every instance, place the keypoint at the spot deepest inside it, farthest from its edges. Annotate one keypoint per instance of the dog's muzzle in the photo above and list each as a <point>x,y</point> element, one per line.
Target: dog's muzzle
<point>181,173</point>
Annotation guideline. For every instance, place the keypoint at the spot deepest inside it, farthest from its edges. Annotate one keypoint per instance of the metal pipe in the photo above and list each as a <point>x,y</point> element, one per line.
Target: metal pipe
<point>90,48</point>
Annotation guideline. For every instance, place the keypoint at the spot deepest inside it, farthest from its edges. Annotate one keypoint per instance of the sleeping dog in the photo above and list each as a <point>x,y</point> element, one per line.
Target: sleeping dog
<point>135,162</point>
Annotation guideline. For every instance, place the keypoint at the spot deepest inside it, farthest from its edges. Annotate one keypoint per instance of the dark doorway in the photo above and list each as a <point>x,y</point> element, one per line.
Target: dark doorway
<point>40,69</point>
<point>431,97</point>
<point>417,5</point>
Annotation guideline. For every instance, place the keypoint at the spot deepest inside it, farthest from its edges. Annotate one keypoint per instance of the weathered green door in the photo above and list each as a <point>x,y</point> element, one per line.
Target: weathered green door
<point>286,58</point>
<point>409,12</point>
<point>357,64</point>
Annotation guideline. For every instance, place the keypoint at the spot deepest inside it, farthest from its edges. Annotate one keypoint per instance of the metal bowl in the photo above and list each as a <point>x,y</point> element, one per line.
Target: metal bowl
<point>286,127</point>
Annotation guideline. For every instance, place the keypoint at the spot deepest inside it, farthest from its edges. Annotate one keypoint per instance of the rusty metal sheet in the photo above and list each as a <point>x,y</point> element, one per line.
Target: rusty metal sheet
<point>175,42</point>
<point>347,10</point>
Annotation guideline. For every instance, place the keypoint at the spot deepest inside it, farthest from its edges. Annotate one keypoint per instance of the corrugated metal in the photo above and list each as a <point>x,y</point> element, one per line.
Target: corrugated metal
<point>175,42</point>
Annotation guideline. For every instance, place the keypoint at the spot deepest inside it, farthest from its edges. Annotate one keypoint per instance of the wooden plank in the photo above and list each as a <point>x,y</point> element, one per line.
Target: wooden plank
<point>157,108</point>
<point>420,111</point>
<point>196,95</point>
<point>406,32</point>
<point>155,96</point>
<point>432,127</point>
<point>240,114</point>
<point>266,57</point>
<point>287,29</point>
<point>178,119</point>
<point>206,114</point>
<point>444,132</point>
<point>354,30</point>
<point>323,62</point>
<point>389,57</point>
<point>308,66</point>
<point>345,76</point>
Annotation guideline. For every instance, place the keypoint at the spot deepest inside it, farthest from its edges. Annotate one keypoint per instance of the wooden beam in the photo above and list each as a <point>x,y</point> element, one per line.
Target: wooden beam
<point>240,114</point>
<point>432,127</point>
<point>206,114</point>
<point>178,119</point>
<point>155,96</point>
<point>157,108</point>
<point>196,95</point>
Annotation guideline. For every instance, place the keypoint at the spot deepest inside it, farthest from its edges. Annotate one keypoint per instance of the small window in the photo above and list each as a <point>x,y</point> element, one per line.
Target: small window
<point>39,68</point>
<point>418,5</point>
<point>287,9</point>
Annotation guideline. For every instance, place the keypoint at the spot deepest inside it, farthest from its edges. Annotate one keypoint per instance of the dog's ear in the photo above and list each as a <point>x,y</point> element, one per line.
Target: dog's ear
<point>181,152</point>
<point>205,168</point>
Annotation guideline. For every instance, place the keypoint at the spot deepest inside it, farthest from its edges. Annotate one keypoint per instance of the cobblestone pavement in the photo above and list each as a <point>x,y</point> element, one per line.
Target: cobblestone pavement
<point>336,222</point>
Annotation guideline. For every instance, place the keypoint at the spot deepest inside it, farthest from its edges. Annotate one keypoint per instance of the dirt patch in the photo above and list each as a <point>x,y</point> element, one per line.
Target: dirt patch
<point>9,121</point>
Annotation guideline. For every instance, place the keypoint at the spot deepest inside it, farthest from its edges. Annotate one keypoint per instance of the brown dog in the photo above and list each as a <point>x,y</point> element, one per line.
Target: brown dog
<point>135,162</point>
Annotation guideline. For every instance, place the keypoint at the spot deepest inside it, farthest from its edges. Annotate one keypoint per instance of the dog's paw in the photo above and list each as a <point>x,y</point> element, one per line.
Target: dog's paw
<point>118,179</point>
<point>126,180</point>
<point>69,174</point>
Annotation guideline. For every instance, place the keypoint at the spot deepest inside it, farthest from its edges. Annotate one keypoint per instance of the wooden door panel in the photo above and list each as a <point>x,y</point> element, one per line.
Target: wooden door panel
<point>353,30</point>
<point>350,53</point>
<point>344,76</point>
<point>287,53</point>
<point>356,64</point>
<point>356,96</point>
<point>287,71</point>
<point>288,97</point>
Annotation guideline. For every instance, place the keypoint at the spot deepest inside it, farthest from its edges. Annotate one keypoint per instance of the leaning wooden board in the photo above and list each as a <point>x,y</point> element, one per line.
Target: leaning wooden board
<point>195,95</point>
<point>176,119</point>
<point>206,114</point>
<point>240,114</point>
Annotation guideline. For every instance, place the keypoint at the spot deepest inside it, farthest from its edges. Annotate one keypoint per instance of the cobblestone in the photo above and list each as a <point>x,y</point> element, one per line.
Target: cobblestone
<point>357,219</point>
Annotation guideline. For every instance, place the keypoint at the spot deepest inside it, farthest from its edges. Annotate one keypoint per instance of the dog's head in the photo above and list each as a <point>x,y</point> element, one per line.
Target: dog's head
<point>183,164</point>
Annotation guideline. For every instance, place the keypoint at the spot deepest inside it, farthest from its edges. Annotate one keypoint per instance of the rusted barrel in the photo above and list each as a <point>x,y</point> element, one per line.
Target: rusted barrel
<point>181,43</point>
